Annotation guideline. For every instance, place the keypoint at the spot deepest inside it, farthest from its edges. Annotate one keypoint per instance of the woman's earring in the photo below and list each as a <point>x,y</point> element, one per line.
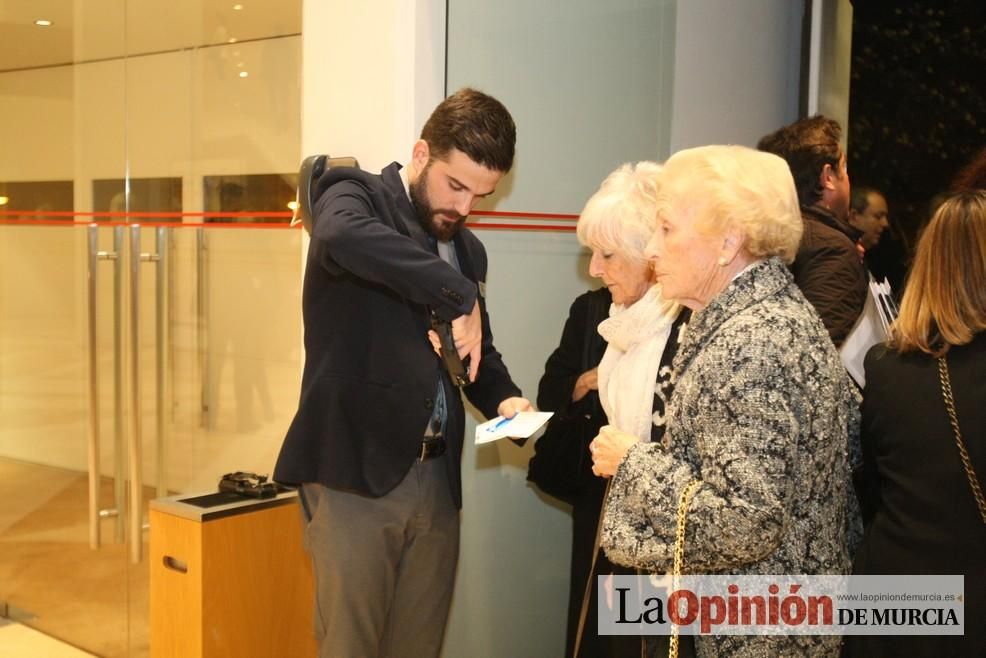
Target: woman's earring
<point>722,261</point>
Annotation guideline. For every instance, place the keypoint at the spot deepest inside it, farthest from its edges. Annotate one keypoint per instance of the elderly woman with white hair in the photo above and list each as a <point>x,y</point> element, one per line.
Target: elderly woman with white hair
<point>755,458</point>
<point>633,378</point>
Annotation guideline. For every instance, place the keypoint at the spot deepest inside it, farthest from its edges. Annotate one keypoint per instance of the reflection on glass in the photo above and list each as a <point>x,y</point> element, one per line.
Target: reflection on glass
<point>32,199</point>
<point>247,197</point>
<point>146,195</point>
<point>121,106</point>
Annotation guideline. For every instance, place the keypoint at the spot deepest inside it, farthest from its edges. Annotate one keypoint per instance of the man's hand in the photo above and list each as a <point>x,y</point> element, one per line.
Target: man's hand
<point>467,330</point>
<point>513,406</point>
<point>587,381</point>
<point>608,450</point>
<point>436,342</point>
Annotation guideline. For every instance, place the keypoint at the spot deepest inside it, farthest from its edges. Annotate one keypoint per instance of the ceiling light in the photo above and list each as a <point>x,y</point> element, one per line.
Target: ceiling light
<point>237,7</point>
<point>231,40</point>
<point>43,22</point>
<point>243,74</point>
<point>292,205</point>
<point>4,200</point>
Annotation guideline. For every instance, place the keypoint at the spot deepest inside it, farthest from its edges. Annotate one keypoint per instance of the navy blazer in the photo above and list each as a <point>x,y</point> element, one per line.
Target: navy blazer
<point>370,373</point>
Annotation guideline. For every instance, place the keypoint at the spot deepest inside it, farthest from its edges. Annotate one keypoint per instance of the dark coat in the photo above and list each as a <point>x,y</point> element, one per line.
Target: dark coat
<point>582,349</point>
<point>922,517</point>
<point>830,272</point>
<point>571,358</point>
<point>370,374</point>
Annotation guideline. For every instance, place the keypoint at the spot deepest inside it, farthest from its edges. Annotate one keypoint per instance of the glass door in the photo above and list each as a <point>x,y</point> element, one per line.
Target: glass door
<point>47,553</point>
<point>149,290</point>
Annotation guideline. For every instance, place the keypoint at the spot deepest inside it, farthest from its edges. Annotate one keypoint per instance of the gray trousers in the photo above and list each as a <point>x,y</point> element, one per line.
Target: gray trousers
<point>384,567</point>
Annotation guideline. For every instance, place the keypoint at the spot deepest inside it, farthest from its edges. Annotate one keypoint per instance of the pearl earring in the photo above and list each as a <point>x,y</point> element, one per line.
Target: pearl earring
<point>722,261</point>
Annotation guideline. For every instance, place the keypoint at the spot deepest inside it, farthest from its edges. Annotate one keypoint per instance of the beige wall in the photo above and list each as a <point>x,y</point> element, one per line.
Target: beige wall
<point>185,113</point>
<point>36,124</point>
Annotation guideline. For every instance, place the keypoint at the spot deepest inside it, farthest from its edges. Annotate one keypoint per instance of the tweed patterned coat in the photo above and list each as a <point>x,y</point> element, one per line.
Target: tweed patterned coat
<point>764,415</point>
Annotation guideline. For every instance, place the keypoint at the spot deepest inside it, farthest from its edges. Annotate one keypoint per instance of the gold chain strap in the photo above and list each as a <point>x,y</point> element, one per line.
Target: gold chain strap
<point>946,389</point>
<point>679,555</point>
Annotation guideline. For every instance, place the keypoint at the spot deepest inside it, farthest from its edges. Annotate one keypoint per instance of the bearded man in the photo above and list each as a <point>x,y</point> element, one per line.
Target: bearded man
<point>376,443</point>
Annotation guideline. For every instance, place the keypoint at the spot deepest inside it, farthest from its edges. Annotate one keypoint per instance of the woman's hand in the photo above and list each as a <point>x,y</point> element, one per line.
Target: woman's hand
<point>587,381</point>
<point>608,450</point>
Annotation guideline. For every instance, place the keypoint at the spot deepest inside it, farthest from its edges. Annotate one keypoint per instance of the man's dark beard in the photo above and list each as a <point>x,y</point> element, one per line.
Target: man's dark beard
<point>426,214</point>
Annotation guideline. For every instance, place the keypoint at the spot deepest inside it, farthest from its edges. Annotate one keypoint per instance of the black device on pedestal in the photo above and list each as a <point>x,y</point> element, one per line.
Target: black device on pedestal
<point>249,485</point>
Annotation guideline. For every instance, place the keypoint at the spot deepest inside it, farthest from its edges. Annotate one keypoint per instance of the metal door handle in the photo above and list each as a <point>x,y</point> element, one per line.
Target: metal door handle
<point>93,447</point>
<point>135,436</point>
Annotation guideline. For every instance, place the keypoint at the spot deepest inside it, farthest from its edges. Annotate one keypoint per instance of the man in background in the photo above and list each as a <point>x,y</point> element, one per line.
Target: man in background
<point>828,267</point>
<point>868,213</point>
<point>885,253</point>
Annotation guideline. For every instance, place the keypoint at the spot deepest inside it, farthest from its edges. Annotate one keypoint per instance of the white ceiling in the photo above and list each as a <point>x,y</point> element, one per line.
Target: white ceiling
<point>86,30</point>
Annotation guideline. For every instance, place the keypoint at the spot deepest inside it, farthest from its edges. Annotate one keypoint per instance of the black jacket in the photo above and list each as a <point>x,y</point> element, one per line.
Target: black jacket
<point>581,348</point>
<point>370,374</point>
<point>830,272</point>
<point>921,515</point>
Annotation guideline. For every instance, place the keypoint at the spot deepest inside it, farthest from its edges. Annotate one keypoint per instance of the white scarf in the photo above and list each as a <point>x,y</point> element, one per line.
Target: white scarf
<point>636,337</point>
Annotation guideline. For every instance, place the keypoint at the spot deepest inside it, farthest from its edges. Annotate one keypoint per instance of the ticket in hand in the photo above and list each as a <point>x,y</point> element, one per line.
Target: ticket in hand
<point>521,426</point>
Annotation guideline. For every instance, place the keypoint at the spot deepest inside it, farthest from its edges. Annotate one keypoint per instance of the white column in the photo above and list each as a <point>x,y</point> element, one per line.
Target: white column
<point>372,73</point>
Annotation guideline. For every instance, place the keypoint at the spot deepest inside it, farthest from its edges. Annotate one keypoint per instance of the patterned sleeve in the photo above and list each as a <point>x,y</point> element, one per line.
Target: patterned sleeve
<point>742,428</point>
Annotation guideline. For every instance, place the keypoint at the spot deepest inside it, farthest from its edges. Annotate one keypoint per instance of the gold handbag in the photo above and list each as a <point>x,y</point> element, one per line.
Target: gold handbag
<point>679,554</point>
<point>946,389</point>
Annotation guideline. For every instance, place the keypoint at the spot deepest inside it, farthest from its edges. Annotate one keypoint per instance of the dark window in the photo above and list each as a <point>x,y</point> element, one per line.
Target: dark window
<point>146,195</point>
<point>33,199</point>
<point>253,195</point>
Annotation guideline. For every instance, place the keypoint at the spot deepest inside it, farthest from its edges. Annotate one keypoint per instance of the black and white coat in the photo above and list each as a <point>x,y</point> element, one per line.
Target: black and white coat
<point>765,417</point>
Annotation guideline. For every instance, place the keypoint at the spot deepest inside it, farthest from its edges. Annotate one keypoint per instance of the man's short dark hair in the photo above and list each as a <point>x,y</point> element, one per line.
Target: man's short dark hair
<point>476,124</point>
<point>859,196</point>
<point>807,145</point>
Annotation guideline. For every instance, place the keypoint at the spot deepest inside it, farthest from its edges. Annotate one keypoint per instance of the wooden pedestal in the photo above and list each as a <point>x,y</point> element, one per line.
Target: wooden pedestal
<point>229,580</point>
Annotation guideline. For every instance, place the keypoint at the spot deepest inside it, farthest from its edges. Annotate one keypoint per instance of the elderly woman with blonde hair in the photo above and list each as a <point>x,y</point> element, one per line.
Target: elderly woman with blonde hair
<point>756,453</point>
<point>633,378</point>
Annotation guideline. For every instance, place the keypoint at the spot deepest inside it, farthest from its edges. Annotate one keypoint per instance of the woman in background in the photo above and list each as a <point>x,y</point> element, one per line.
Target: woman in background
<point>561,466</point>
<point>633,379</point>
<point>923,514</point>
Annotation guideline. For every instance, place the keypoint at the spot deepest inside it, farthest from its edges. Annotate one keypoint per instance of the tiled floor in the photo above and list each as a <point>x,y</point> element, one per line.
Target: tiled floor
<point>234,390</point>
<point>19,641</point>
<point>93,599</point>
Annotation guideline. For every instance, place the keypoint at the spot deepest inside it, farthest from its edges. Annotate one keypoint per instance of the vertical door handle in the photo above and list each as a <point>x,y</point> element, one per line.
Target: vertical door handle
<point>162,397</point>
<point>93,256</point>
<point>134,456</point>
<point>119,429</point>
<point>202,327</point>
<point>92,448</point>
